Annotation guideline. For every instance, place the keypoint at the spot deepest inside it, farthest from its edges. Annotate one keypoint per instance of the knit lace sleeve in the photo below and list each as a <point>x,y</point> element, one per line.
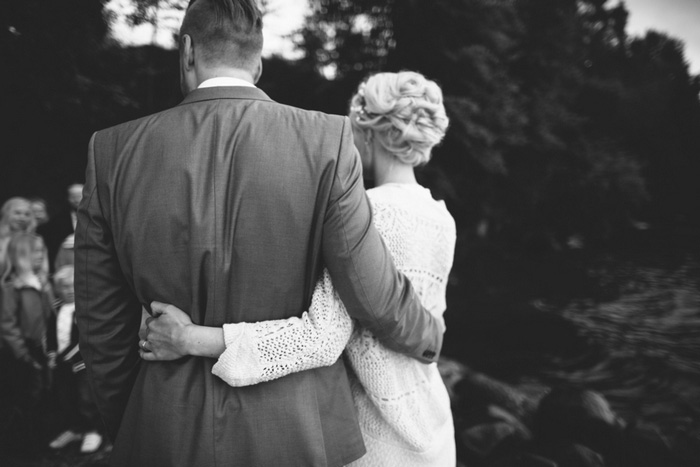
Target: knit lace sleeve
<point>267,350</point>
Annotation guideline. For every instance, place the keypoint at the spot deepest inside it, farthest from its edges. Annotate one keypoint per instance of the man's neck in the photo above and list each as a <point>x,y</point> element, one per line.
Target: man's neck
<point>225,72</point>
<point>224,81</point>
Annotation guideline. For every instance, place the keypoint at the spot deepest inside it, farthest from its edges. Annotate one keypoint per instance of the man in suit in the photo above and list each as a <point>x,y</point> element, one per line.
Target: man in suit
<point>229,205</point>
<point>60,228</point>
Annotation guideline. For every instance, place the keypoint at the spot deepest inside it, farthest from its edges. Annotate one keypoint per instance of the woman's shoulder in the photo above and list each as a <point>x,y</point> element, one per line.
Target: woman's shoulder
<point>398,191</point>
<point>411,198</point>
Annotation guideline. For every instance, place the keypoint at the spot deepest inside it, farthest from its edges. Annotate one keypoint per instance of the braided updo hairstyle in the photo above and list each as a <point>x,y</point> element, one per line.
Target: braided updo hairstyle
<point>405,112</point>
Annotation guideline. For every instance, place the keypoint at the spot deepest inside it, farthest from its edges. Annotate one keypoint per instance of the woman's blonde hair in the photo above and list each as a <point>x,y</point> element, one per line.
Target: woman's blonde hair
<point>19,255</point>
<point>8,206</point>
<point>404,111</point>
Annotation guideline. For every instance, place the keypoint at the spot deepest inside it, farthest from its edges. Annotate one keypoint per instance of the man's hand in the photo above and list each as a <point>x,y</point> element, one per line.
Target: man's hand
<point>165,336</point>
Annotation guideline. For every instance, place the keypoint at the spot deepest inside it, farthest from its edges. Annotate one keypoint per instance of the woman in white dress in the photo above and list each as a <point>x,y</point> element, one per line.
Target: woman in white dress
<point>403,405</point>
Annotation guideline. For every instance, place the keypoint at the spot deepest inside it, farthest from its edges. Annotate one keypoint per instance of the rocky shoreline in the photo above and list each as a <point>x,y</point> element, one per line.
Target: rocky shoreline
<point>501,425</point>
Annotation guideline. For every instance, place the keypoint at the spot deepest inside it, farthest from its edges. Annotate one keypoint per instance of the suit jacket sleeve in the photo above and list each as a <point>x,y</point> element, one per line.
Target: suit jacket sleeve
<point>373,291</point>
<point>107,311</point>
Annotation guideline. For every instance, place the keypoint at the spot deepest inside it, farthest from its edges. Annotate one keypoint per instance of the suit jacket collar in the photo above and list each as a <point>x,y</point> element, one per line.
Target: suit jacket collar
<point>225,92</point>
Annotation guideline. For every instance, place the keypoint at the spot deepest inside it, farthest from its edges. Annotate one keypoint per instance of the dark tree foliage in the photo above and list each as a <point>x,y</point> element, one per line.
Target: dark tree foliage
<point>146,11</point>
<point>563,129</point>
<point>66,79</point>
<point>659,116</point>
<point>55,92</point>
<point>348,38</point>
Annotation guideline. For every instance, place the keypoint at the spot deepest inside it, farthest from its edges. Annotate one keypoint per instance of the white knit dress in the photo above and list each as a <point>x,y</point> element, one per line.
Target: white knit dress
<point>403,406</point>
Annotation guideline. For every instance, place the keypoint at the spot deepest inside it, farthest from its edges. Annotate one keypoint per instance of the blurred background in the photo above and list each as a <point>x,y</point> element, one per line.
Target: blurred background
<point>571,165</point>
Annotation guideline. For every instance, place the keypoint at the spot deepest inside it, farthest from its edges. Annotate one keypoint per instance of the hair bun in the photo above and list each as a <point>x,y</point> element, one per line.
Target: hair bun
<point>405,111</point>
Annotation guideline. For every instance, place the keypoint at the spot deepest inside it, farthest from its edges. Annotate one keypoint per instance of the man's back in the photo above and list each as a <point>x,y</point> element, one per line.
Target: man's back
<point>218,206</point>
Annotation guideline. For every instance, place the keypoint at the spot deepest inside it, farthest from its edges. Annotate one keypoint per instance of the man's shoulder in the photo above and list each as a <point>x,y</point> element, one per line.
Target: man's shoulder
<point>318,132</point>
<point>274,111</point>
<point>305,116</point>
<point>130,125</point>
<point>306,113</point>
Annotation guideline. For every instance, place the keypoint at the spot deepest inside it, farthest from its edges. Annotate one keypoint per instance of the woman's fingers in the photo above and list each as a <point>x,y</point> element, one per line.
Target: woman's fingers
<point>149,356</point>
<point>162,333</point>
<point>158,308</point>
<point>149,320</point>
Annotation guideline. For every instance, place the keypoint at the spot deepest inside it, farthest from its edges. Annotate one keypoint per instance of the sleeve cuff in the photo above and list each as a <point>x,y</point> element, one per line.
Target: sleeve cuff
<point>240,364</point>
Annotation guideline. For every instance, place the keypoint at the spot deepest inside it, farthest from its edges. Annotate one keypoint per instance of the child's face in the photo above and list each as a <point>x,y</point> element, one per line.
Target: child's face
<point>65,291</point>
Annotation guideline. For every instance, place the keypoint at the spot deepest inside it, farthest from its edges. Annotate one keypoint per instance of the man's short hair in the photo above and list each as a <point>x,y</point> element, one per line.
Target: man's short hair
<point>225,32</point>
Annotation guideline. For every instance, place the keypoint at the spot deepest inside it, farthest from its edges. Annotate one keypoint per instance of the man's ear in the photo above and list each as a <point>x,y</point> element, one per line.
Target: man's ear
<point>187,52</point>
<point>258,71</point>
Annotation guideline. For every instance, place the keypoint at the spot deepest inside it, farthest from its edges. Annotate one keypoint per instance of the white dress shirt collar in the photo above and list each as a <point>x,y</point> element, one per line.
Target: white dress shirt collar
<point>224,81</point>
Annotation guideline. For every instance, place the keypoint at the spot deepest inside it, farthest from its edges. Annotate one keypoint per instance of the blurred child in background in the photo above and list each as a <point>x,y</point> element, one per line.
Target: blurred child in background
<point>65,255</point>
<point>70,378</point>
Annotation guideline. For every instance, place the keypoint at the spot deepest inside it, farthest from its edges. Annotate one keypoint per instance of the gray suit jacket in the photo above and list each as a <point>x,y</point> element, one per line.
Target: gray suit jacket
<point>228,206</point>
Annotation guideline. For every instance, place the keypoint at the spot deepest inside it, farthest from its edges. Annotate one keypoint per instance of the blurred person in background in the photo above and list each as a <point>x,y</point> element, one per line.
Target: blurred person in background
<point>403,406</point>
<point>70,382</point>
<point>65,255</point>
<point>61,227</point>
<point>40,210</point>
<point>75,195</point>
<point>27,301</point>
<point>16,216</point>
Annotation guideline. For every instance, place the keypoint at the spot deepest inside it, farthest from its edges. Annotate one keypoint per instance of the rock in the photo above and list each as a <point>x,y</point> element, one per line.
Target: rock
<point>483,439</point>
<point>479,389</point>
<point>452,372</point>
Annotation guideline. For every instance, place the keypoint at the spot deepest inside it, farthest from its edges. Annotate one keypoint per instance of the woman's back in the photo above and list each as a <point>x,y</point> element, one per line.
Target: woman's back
<point>403,406</point>
<point>421,234</point>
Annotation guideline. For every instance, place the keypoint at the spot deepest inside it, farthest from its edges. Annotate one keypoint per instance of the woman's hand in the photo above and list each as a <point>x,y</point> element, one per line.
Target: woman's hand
<point>166,333</point>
